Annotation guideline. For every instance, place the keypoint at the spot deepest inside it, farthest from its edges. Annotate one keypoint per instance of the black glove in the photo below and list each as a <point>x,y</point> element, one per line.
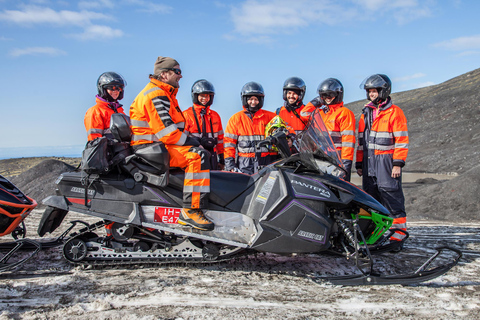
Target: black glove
<point>192,141</point>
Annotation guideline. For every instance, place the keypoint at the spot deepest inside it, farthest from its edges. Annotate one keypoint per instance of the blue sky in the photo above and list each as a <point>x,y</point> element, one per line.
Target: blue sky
<point>52,52</point>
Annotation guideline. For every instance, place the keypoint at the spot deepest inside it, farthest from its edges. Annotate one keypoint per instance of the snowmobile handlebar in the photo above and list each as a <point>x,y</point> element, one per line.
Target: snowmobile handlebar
<point>278,139</point>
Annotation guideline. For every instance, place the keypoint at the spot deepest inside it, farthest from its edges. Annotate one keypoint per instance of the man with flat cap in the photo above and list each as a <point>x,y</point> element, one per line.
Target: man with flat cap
<point>156,116</point>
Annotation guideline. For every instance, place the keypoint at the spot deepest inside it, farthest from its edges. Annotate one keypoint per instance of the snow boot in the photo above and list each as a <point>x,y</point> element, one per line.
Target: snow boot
<point>196,219</point>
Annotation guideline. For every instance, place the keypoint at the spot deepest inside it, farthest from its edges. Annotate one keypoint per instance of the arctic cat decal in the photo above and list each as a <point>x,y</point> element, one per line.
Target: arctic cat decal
<point>82,191</point>
<point>311,235</point>
<point>166,215</point>
<point>309,188</point>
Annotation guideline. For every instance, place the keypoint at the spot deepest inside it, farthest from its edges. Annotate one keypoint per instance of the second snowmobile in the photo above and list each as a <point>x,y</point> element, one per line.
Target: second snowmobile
<point>15,206</point>
<point>299,204</point>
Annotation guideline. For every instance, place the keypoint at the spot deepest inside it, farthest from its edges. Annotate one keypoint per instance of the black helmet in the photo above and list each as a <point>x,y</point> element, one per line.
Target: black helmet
<point>110,79</point>
<point>331,87</point>
<point>252,89</point>
<point>380,82</point>
<point>294,84</point>
<point>202,86</point>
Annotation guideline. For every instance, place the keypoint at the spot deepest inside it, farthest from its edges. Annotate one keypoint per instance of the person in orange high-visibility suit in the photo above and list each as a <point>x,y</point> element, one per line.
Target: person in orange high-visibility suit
<point>339,121</point>
<point>244,129</point>
<point>155,116</point>
<point>204,123</point>
<point>293,112</point>
<point>382,149</point>
<point>110,87</point>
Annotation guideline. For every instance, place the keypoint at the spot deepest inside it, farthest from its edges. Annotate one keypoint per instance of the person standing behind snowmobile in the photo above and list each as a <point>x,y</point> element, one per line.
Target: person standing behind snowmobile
<point>293,112</point>
<point>244,129</point>
<point>339,121</point>
<point>156,116</point>
<point>382,149</point>
<point>110,87</point>
<point>204,123</point>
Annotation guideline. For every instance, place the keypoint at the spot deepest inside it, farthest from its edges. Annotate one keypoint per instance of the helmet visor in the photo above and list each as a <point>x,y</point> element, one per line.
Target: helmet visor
<point>375,81</point>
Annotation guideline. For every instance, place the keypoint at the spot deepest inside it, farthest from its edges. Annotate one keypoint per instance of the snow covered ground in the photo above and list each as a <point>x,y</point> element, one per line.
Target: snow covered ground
<point>263,286</point>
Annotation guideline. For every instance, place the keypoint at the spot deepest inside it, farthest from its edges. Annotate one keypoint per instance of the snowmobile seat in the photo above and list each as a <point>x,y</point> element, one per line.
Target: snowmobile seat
<point>224,186</point>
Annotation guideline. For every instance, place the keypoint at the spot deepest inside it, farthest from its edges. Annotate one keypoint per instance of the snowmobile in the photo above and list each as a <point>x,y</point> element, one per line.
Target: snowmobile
<point>14,208</point>
<point>297,205</point>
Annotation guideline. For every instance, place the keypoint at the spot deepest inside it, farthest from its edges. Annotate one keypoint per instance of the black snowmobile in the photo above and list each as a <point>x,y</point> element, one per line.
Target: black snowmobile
<point>299,204</point>
<point>15,206</point>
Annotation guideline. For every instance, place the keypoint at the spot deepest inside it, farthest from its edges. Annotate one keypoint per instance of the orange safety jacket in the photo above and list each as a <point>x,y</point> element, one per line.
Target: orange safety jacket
<point>382,136</point>
<point>340,123</point>
<point>156,116</point>
<point>297,119</point>
<point>97,118</point>
<point>212,122</point>
<point>241,134</point>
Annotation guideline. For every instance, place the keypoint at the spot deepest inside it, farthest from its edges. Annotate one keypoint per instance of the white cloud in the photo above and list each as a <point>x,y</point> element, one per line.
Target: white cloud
<point>36,51</point>
<point>460,44</point>
<point>284,16</point>
<point>149,7</point>
<point>468,53</point>
<point>32,15</point>
<point>424,84</point>
<point>410,77</point>
<point>96,4</point>
<point>97,32</point>
<point>269,17</point>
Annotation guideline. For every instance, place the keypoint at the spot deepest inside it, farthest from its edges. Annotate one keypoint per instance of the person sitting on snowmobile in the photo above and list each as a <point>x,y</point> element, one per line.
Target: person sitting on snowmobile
<point>156,117</point>
<point>204,123</point>
<point>245,129</point>
<point>110,87</point>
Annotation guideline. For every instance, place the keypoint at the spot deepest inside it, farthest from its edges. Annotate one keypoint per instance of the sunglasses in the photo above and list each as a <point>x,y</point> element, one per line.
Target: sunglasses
<point>114,88</point>
<point>328,95</point>
<point>175,70</point>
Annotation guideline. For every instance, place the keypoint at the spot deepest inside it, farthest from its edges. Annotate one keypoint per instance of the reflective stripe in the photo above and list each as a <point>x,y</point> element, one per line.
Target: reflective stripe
<point>373,146</point>
<point>162,133</point>
<point>149,137</point>
<point>231,136</point>
<point>348,144</point>
<point>219,132</point>
<point>401,134</point>
<point>200,189</point>
<point>256,137</point>
<point>180,125</point>
<point>140,123</point>
<point>401,145</point>
<point>305,113</point>
<point>182,140</point>
<point>93,131</point>
<point>399,226</point>
<point>348,133</point>
<point>360,135</point>
<point>230,145</point>
<point>151,90</point>
<point>381,134</point>
<point>197,176</point>
<point>220,141</point>
<point>251,150</point>
<point>335,134</point>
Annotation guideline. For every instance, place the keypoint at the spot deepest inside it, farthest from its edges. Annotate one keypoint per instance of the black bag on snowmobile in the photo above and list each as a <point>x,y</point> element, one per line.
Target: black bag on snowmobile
<point>95,156</point>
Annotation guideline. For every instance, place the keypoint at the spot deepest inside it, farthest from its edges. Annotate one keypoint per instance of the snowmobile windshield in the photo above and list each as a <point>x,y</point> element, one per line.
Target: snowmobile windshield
<point>317,149</point>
